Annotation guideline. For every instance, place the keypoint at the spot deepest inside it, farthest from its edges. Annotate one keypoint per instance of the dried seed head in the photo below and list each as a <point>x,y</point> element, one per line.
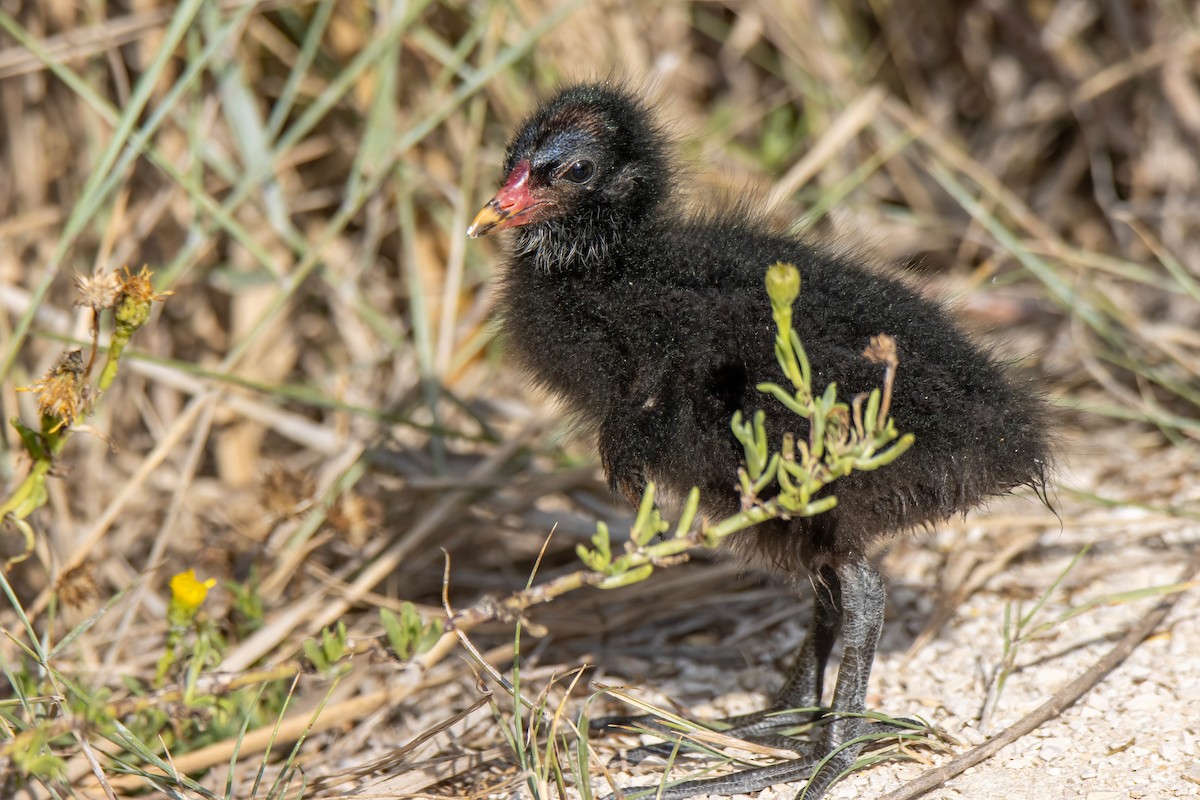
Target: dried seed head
<point>62,394</point>
<point>882,350</point>
<point>138,286</point>
<point>285,493</point>
<point>355,517</point>
<point>98,291</point>
<point>77,586</point>
<point>136,296</point>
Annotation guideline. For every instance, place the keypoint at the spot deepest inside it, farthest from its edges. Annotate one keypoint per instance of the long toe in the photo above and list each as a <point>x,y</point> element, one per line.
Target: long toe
<point>747,780</point>
<point>844,756</point>
<point>828,772</point>
<point>900,725</point>
<point>762,728</point>
<point>639,723</point>
<point>764,723</point>
<point>642,723</point>
<point>666,750</point>
<point>741,726</point>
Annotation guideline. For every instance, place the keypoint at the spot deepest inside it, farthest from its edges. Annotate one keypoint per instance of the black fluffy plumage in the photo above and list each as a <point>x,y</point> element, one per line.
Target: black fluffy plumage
<point>651,323</point>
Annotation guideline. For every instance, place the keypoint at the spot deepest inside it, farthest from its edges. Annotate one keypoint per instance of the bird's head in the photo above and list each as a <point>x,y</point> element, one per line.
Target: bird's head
<point>590,162</point>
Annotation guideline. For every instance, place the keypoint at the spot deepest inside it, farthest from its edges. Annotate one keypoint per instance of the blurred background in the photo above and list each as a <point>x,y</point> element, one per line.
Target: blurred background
<point>320,417</point>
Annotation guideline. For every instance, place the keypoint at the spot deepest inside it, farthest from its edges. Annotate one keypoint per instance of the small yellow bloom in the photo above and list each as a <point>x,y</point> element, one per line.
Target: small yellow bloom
<point>189,593</point>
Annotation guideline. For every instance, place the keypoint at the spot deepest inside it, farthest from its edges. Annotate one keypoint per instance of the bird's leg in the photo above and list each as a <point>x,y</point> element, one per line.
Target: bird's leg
<point>806,681</point>
<point>802,691</point>
<point>863,598</point>
<point>793,704</point>
<point>861,613</point>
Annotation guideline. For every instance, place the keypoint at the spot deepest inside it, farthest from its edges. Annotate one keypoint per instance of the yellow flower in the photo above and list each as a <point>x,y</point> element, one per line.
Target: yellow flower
<point>188,593</point>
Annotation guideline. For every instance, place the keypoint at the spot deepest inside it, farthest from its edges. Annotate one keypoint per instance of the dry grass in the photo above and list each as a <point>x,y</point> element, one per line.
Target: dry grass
<point>320,412</point>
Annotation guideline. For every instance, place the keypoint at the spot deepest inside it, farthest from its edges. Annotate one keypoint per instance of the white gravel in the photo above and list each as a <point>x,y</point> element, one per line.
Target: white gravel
<point>1133,736</point>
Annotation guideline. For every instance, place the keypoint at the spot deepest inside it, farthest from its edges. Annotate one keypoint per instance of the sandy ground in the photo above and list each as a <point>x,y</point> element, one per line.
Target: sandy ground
<point>1133,736</point>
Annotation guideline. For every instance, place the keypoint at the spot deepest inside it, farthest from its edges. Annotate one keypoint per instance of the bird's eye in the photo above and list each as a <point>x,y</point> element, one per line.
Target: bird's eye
<point>580,172</point>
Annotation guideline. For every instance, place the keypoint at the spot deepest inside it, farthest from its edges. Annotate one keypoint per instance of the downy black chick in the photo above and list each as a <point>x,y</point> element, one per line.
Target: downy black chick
<point>650,322</point>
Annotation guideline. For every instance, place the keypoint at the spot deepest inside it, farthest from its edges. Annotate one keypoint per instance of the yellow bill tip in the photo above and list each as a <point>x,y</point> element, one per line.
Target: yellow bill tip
<point>486,220</point>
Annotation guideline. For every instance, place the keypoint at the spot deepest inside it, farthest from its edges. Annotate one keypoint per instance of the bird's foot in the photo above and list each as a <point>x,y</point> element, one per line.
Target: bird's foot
<point>820,760</point>
<point>747,780</point>
<point>775,729</point>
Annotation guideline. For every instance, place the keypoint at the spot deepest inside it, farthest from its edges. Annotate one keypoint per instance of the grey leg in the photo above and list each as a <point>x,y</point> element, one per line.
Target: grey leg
<point>807,678</point>
<point>852,599</point>
<point>805,681</point>
<point>863,598</point>
<point>801,690</point>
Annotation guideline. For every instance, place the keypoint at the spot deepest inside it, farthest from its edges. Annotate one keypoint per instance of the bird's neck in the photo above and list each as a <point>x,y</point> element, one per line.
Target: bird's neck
<point>590,245</point>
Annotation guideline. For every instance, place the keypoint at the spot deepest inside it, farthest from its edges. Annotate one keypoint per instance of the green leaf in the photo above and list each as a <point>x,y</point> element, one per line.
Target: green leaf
<point>393,630</point>
<point>430,636</point>
<point>887,456</point>
<point>649,522</point>
<point>634,575</point>
<point>599,558</point>
<point>315,655</point>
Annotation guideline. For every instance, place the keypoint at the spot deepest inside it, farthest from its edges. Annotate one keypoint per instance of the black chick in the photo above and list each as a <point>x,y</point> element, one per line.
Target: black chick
<point>651,323</point>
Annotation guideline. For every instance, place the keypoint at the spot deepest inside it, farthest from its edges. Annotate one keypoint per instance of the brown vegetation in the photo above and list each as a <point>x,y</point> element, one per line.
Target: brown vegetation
<point>320,417</point>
